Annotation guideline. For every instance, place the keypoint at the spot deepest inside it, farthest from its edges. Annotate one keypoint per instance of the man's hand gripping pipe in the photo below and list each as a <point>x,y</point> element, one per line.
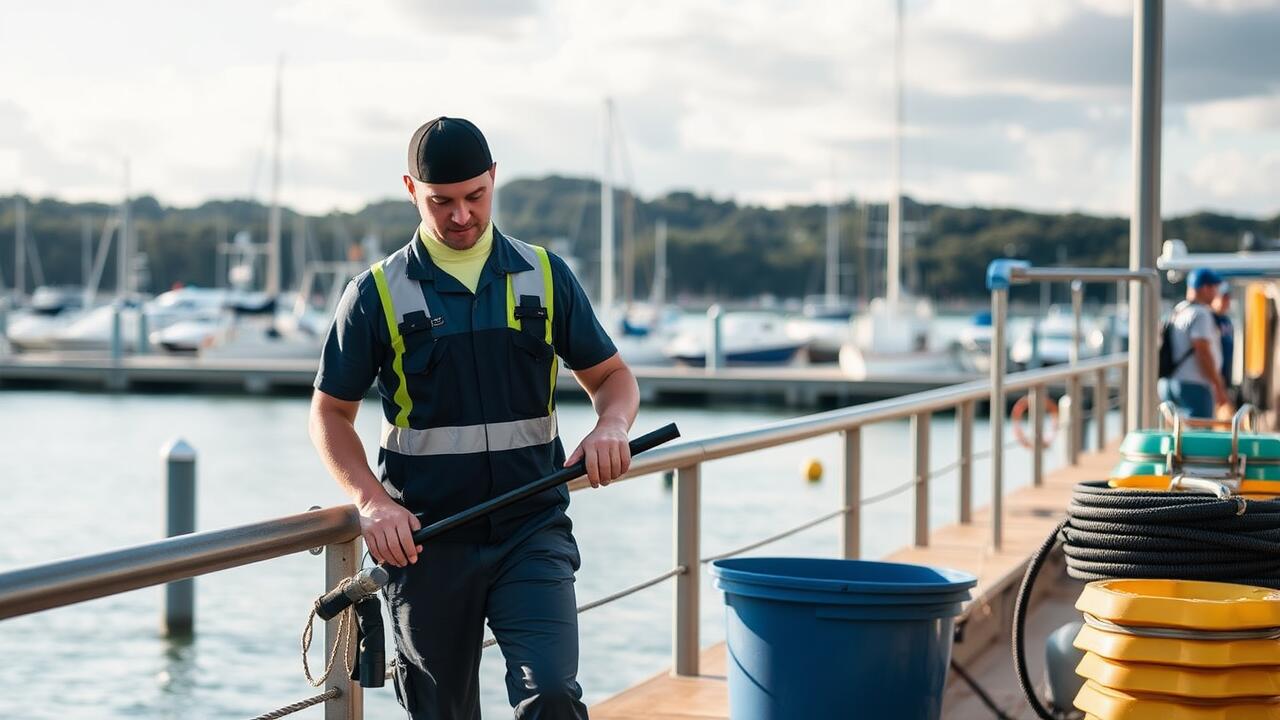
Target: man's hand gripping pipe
<point>368,581</point>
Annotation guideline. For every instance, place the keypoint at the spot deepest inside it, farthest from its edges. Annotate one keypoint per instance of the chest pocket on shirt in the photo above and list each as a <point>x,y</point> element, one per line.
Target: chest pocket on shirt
<point>529,361</point>
<point>432,379</point>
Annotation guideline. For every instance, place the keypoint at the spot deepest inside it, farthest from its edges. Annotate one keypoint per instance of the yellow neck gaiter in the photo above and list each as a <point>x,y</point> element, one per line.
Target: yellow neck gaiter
<point>463,265</point>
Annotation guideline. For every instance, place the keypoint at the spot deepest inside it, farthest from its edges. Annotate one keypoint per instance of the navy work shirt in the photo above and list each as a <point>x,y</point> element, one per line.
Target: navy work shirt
<point>468,380</point>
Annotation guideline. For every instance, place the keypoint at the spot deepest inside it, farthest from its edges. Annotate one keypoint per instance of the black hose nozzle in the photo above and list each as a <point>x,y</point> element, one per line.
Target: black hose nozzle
<point>358,587</point>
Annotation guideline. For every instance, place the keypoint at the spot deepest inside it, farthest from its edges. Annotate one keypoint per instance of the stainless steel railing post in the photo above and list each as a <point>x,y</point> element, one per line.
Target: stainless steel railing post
<point>1036,399</point>
<point>684,626</point>
<point>964,453</point>
<point>1100,401</point>
<point>1074,418</point>
<point>999,307</point>
<point>341,561</point>
<point>920,450</point>
<point>851,494</point>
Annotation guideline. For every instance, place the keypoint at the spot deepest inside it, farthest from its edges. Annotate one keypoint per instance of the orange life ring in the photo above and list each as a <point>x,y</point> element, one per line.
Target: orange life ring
<point>1020,410</point>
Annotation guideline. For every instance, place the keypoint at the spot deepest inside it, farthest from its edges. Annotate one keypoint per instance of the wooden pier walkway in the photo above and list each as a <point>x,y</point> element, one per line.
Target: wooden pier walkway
<point>799,386</point>
<point>1030,514</point>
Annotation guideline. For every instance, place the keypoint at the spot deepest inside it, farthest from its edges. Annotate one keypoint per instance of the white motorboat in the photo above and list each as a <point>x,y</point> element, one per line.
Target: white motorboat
<point>747,338</point>
<point>1049,341</point>
<point>50,309</point>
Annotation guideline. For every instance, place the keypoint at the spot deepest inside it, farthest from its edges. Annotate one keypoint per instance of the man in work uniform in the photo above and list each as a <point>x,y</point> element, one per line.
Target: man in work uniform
<point>461,329</point>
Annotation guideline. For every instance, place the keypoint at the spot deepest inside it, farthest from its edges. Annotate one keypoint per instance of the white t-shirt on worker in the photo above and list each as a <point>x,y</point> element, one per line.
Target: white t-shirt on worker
<point>1194,321</point>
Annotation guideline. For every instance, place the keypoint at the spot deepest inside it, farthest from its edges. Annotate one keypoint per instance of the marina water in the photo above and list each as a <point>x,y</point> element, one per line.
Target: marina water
<point>81,473</point>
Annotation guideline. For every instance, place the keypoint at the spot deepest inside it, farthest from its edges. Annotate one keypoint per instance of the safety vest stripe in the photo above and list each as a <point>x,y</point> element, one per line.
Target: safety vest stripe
<point>401,397</point>
<point>465,439</point>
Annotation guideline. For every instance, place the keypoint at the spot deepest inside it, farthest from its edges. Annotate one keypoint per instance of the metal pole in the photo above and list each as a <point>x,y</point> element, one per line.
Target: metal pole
<point>144,335</point>
<point>893,254</point>
<point>684,644</point>
<point>341,561</point>
<point>999,302</point>
<point>1077,303</point>
<point>1123,392</point>
<point>606,215</point>
<point>180,519</point>
<point>964,431</point>
<point>1144,224</point>
<point>660,266</point>
<point>117,339</point>
<point>1036,400</point>
<point>851,495</point>
<point>272,286</point>
<point>1075,413</point>
<point>920,446</point>
<point>832,284</point>
<point>715,338</point>
<point>1100,402</point>
<point>19,249</point>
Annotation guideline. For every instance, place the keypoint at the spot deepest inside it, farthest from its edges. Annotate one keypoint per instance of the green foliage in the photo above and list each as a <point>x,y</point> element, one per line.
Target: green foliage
<point>716,247</point>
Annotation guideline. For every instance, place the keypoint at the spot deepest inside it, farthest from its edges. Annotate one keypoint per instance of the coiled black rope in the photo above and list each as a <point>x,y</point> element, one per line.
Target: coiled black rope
<point>1174,535</point>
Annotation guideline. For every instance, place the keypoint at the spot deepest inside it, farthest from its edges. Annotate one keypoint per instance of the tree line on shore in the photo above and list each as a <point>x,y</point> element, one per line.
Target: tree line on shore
<point>716,248</point>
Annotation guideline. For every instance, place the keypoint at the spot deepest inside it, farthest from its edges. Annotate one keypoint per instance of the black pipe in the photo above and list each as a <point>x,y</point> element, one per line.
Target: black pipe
<point>369,580</point>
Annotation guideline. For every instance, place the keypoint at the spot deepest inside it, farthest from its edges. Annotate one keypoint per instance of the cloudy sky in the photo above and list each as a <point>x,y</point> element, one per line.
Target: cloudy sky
<point>1008,102</point>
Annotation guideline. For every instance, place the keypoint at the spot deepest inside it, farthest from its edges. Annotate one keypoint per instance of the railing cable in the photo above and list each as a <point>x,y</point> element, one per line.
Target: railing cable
<point>332,693</point>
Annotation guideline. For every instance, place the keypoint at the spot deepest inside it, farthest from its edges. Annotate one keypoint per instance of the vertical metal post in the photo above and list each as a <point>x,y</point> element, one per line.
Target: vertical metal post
<point>920,446</point>
<point>1077,304</point>
<point>144,340</point>
<point>1100,402</point>
<point>180,519</point>
<point>964,452</point>
<point>341,561</point>
<point>715,341</point>
<point>685,644</point>
<point>117,337</point>
<point>1144,224</point>
<point>1123,392</point>
<point>999,303</point>
<point>851,495</point>
<point>1074,413</point>
<point>1036,400</point>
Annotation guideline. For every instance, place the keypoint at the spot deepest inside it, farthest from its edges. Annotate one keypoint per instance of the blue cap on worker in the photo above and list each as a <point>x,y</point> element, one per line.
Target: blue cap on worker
<point>1201,277</point>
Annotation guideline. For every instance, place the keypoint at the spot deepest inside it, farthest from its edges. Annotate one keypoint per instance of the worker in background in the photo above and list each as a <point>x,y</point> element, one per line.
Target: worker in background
<point>461,329</point>
<point>1221,315</point>
<point>1195,384</point>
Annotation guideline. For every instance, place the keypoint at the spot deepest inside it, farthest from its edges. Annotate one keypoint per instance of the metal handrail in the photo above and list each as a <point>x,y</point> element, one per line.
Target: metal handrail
<point>64,582</point>
<point>785,432</point>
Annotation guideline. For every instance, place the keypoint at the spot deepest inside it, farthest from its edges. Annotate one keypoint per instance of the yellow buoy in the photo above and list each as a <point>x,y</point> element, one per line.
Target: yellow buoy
<point>811,469</point>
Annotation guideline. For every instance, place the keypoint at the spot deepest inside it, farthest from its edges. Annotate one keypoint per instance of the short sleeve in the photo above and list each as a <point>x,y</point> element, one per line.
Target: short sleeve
<point>577,335</point>
<point>352,350</point>
<point>1203,326</point>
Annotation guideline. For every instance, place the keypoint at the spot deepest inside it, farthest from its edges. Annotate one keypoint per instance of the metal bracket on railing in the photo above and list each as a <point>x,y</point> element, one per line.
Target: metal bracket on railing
<point>1237,464</point>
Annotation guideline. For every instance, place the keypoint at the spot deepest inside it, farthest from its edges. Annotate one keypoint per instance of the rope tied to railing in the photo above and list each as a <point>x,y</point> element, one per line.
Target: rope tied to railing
<point>332,693</point>
<point>344,643</point>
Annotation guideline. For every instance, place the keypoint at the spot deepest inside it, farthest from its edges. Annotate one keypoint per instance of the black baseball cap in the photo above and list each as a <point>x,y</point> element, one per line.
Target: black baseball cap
<point>448,150</point>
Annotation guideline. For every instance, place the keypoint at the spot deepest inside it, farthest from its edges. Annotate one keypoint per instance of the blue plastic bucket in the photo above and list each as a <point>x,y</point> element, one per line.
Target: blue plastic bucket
<point>814,638</point>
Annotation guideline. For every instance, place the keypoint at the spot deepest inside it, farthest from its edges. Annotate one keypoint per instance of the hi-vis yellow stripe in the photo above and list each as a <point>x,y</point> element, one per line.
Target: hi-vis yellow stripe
<point>550,289</point>
<point>401,397</point>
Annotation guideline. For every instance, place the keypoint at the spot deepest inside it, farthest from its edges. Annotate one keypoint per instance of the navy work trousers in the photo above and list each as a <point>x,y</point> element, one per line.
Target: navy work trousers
<point>524,587</point>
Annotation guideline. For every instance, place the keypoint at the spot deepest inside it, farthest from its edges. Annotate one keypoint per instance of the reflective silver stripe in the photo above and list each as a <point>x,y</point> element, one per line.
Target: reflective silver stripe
<point>464,439</point>
<point>406,294</point>
<point>528,282</point>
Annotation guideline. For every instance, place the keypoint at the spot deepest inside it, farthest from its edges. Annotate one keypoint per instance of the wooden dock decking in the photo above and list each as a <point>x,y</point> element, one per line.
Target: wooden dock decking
<point>1030,514</point>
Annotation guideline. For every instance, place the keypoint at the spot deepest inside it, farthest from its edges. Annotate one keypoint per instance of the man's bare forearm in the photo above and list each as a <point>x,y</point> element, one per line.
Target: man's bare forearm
<point>617,400</point>
<point>334,436</point>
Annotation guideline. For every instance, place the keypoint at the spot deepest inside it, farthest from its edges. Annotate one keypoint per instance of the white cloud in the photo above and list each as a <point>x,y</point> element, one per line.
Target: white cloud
<point>1008,102</point>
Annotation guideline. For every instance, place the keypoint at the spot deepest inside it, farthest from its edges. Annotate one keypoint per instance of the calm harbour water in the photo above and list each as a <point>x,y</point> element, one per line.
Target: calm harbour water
<point>81,473</point>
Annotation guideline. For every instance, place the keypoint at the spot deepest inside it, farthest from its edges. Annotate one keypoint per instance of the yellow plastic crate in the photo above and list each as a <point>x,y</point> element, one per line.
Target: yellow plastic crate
<point>1186,604</point>
<point>1110,704</point>
<point>1188,653</point>
<point>1245,682</point>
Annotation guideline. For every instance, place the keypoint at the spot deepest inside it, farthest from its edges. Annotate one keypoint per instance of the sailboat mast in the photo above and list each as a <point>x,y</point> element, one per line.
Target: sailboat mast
<point>124,249</point>
<point>660,262</point>
<point>20,248</point>
<point>894,254</point>
<point>833,243</point>
<point>273,219</point>
<point>606,213</point>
